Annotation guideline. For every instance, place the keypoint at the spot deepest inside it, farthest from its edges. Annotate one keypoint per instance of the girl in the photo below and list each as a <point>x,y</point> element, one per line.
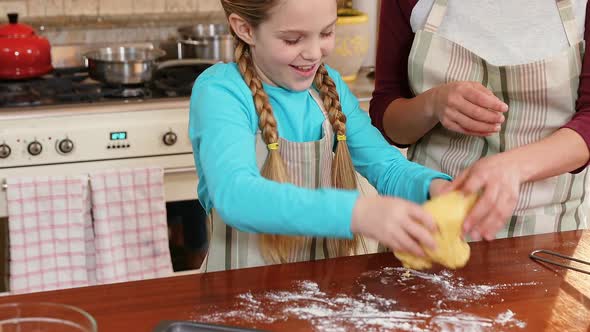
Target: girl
<point>279,108</point>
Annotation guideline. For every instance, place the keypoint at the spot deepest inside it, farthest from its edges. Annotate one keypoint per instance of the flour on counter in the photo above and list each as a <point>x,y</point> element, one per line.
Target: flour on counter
<point>452,288</point>
<point>368,311</point>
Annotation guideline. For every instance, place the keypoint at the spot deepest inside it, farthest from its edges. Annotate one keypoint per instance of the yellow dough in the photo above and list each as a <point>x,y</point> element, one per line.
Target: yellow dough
<point>449,212</point>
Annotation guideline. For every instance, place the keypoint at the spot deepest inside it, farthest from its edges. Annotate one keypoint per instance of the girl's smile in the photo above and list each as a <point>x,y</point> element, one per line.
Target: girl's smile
<point>305,71</point>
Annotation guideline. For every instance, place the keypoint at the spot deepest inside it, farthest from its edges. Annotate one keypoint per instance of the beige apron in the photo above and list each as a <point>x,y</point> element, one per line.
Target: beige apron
<point>541,98</point>
<point>309,165</point>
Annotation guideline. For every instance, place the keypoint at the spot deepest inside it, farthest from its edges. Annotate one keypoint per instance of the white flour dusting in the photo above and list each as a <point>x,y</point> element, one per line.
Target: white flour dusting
<point>452,288</point>
<point>371,312</point>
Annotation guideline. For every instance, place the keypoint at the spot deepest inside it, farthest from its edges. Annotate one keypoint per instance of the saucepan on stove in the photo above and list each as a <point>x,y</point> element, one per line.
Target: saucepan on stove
<point>123,65</point>
<point>23,54</point>
<point>206,41</point>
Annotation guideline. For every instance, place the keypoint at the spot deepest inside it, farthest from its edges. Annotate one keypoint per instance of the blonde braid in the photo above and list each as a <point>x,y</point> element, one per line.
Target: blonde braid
<point>274,248</point>
<point>266,122</point>
<point>343,173</point>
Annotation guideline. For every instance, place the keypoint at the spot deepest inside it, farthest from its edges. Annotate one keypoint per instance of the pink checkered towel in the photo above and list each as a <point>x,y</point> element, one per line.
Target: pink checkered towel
<point>130,224</point>
<point>50,233</point>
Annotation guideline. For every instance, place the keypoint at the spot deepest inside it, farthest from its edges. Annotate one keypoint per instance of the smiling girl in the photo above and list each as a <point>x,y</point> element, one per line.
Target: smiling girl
<point>277,137</point>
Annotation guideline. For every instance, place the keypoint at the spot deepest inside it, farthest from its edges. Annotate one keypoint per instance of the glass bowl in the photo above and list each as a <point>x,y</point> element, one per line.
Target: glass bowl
<point>44,317</point>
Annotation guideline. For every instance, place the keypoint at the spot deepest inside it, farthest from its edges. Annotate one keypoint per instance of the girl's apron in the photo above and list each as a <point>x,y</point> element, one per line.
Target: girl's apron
<point>541,98</point>
<point>309,165</point>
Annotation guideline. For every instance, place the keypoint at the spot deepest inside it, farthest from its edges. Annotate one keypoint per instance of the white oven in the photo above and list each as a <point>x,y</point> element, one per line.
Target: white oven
<point>80,138</point>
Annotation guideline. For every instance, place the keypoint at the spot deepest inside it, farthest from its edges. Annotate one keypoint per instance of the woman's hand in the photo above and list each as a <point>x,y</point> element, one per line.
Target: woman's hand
<point>468,108</point>
<point>498,181</point>
<point>398,224</point>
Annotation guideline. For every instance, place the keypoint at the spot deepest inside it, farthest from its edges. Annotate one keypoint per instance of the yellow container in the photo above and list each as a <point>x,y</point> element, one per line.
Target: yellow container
<point>352,43</point>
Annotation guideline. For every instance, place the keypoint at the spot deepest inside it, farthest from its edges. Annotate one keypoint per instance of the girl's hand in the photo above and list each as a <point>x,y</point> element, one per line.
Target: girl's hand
<point>468,108</point>
<point>438,187</point>
<point>498,180</point>
<point>398,224</point>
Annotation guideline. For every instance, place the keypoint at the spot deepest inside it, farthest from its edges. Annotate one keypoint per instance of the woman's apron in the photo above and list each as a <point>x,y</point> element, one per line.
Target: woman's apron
<point>541,96</point>
<point>309,165</point>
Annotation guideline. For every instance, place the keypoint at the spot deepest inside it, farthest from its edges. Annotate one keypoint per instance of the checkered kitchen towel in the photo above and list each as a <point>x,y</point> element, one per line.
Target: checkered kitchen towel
<point>130,224</point>
<point>50,229</point>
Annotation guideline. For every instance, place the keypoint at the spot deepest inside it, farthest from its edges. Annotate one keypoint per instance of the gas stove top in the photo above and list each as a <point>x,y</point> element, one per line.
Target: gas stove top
<point>73,86</point>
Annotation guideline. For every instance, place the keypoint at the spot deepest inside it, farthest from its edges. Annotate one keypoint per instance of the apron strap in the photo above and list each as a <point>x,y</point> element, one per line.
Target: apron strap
<point>318,100</point>
<point>326,125</point>
<point>568,19</point>
<point>435,17</point>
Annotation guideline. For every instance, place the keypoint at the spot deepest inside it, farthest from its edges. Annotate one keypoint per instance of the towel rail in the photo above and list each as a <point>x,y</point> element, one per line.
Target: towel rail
<point>174,170</point>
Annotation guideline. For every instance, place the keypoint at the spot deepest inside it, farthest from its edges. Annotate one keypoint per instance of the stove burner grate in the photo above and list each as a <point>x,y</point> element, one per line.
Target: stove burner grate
<point>73,85</point>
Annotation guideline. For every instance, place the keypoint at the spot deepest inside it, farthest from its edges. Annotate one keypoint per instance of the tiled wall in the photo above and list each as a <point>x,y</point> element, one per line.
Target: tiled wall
<point>43,8</point>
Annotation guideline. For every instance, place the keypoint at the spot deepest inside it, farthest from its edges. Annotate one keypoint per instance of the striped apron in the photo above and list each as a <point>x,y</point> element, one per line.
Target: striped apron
<point>309,165</point>
<point>541,96</point>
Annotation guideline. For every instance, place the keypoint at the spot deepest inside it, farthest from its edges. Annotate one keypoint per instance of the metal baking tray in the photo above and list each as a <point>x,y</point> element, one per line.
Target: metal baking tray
<point>182,326</point>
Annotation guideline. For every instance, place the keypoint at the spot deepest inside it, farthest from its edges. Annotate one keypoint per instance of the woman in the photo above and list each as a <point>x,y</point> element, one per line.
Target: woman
<point>486,91</point>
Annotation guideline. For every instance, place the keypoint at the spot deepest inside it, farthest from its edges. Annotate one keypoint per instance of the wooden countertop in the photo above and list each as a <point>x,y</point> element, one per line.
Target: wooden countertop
<point>501,288</point>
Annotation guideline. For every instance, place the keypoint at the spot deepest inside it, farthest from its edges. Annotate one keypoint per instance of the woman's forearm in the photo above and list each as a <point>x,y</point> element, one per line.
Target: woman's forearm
<point>406,120</point>
<point>562,152</point>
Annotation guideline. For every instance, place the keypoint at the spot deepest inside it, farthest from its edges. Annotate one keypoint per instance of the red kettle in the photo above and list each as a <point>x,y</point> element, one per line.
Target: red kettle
<point>23,54</point>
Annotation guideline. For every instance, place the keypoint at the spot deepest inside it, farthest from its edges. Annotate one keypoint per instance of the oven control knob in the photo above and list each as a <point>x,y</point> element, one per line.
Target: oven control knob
<point>35,148</point>
<point>4,151</point>
<point>169,138</point>
<point>65,146</point>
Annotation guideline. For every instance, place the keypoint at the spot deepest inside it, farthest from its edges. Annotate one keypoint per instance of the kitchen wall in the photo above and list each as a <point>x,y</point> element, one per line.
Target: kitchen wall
<point>75,22</point>
<point>47,8</point>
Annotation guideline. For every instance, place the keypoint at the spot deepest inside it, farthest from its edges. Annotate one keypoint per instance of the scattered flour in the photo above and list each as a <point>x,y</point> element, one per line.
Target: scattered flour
<point>370,312</point>
<point>452,288</point>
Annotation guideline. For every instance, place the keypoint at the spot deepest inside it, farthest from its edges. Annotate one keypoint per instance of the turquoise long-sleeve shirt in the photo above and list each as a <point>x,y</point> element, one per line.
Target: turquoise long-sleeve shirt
<point>222,128</point>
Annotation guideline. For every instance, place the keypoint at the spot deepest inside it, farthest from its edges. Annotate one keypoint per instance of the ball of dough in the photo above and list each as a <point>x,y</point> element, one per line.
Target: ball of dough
<point>449,212</point>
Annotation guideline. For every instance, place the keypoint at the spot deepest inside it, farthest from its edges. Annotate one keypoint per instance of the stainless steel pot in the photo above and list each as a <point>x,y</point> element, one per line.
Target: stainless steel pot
<point>206,41</point>
<point>123,65</point>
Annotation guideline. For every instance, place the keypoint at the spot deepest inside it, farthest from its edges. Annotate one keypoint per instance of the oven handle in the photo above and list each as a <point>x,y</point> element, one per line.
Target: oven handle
<point>174,170</point>
<point>177,170</point>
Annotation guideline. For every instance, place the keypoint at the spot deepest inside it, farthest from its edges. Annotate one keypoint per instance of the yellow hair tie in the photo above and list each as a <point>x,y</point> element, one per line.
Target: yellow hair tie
<point>341,137</point>
<point>273,146</point>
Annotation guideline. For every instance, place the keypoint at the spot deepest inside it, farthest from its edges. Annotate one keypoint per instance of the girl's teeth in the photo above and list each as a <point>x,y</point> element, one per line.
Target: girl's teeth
<point>304,68</point>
